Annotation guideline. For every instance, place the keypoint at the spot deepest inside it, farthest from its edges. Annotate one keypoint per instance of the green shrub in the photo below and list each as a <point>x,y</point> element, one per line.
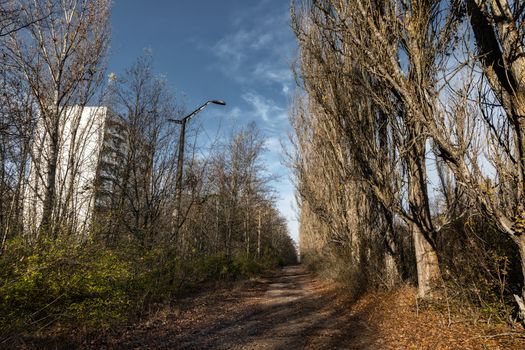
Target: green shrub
<point>246,267</point>
<point>61,283</point>
<point>93,286</point>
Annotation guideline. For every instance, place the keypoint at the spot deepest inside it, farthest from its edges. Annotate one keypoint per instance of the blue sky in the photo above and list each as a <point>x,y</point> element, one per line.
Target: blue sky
<point>238,51</point>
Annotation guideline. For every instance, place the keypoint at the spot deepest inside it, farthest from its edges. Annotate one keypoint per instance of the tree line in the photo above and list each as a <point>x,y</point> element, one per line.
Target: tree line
<point>54,57</point>
<point>53,66</point>
<point>409,143</point>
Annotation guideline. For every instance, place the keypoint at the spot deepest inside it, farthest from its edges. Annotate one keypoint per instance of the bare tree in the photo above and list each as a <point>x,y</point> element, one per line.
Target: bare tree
<point>239,186</point>
<point>17,117</point>
<point>142,197</point>
<point>499,35</point>
<point>14,17</point>
<point>397,67</point>
<point>391,96</point>
<point>60,57</point>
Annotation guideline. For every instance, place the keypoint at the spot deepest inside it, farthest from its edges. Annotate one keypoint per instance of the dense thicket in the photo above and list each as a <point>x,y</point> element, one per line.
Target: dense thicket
<point>59,265</point>
<point>409,144</point>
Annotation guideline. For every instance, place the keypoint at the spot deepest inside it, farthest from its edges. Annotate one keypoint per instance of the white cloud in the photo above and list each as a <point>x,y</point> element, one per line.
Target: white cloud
<point>273,144</point>
<point>278,74</point>
<point>257,55</point>
<point>262,108</point>
<point>236,49</point>
<point>262,41</point>
<point>260,50</point>
<point>235,113</point>
<point>265,108</point>
<point>230,113</point>
<point>230,49</point>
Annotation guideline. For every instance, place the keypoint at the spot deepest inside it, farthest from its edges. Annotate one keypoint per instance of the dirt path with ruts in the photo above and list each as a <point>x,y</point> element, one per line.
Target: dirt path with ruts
<point>288,309</point>
<point>291,309</point>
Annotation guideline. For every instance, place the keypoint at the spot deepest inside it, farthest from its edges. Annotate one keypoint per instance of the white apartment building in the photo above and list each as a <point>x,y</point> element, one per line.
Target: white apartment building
<point>93,149</point>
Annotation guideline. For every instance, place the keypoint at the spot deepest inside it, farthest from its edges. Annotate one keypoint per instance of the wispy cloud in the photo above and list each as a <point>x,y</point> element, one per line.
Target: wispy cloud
<point>273,144</point>
<point>260,49</point>
<point>266,109</point>
<point>278,74</point>
<point>256,55</point>
<point>231,50</point>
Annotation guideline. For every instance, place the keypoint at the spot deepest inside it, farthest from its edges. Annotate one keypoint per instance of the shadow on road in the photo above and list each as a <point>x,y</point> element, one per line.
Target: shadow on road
<point>284,311</point>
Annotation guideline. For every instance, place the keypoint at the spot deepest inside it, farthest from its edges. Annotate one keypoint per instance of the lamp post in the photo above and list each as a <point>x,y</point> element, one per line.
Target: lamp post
<point>180,159</point>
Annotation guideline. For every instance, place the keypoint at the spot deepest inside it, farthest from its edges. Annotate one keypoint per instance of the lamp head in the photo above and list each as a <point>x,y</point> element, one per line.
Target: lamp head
<point>219,102</point>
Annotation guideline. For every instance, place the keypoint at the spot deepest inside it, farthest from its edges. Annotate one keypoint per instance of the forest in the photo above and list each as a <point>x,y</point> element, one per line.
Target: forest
<point>409,148</point>
<point>61,267</point>
<point>407,156</point>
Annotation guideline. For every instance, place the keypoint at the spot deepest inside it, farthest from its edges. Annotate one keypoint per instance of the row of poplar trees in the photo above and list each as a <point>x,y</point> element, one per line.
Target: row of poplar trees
<point>410,138</point>
<point>54,55</point>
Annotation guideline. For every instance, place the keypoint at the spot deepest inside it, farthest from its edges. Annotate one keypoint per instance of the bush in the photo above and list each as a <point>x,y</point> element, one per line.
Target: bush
<point>63,283</point>
<point>58,282</point>
<point>246,267</point>
<point>481,268</point>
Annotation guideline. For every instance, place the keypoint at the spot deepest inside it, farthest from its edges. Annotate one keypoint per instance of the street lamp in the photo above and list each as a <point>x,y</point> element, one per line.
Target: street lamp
<point>180,160</point>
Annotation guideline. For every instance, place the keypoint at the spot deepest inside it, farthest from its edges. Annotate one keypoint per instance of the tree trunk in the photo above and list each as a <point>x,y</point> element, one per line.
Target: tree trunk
<point>393,264</point>
<point>46,225</point>
<point>217,233</point>
<point>247,227</point>
<point>427,265</point>
<point>259,235</point>
<point>229,222</point>
<point>520,143</point>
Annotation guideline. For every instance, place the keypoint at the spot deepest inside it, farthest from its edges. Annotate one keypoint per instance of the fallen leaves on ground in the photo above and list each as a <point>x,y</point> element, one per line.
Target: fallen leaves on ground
<point>291,309</point>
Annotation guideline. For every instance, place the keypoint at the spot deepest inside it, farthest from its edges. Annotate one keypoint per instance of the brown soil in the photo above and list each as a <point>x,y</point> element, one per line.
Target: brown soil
<point>290,309</point>
<point>287,309</point>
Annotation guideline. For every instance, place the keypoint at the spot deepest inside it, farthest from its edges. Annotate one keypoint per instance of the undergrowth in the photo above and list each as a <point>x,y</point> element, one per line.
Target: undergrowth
<point>66,286</point>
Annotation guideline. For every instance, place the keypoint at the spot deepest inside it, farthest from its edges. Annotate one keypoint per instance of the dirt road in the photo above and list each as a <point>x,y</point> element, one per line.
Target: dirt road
<point>287,309</point>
